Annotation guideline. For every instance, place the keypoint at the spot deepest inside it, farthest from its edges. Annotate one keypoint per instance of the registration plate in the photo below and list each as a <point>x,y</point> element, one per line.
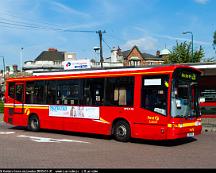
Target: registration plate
<point>190,134</point>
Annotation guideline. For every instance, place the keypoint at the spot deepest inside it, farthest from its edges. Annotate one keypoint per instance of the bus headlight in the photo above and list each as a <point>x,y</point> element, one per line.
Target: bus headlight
<point>198,123</point>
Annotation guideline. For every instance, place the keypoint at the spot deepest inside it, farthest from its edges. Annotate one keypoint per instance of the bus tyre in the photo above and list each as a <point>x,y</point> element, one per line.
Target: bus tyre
<point>122,131</point>
<point>33,123</point>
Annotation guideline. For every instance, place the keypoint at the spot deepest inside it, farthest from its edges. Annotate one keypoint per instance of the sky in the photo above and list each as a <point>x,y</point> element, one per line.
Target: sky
<point>28,27</point>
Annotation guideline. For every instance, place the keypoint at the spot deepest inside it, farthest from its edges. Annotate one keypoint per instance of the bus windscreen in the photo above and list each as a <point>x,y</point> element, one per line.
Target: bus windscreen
<point>184,100</point>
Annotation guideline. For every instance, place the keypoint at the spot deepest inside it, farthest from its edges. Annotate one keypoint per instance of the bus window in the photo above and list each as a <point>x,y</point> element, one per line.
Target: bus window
<point>93,92</point>
<point>11,89</point>
<point>154,93</point>
<point>35,92</point>
<point>19,92</point>
<point>51,92</point>
<point>119,91</point>
<point>184,100</point>
<point>120,95</point>
<point>30,92</point>
<point>67,93</point>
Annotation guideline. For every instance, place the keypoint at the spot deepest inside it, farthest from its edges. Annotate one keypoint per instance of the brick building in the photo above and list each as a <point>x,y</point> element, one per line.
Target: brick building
<point>134,57</point>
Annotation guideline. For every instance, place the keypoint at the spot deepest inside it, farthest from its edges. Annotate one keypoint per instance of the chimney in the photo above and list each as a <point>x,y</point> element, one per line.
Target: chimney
<point>52,50</point>
<point>119,51</point>
<point>157,53</point>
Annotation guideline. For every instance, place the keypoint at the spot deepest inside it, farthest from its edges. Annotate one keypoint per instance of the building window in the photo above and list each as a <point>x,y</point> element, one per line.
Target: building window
<point>134,62</point>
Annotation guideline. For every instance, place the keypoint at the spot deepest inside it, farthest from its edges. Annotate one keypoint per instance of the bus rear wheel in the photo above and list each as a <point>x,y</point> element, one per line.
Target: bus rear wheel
<point>33,123</point>
<point>122,131</point>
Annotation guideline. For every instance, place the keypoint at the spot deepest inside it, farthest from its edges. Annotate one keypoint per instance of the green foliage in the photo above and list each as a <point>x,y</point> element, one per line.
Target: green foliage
<point>182,53</point>
<point>1,107</point>
<point>198,55</point>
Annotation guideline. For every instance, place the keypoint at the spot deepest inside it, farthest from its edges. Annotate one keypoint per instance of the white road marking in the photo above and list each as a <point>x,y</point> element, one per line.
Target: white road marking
<point>43,139</point>
<point>6,133</point>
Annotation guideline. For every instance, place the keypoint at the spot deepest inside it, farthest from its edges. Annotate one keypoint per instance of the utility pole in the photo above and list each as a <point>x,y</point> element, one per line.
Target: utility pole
<point>100,33</point>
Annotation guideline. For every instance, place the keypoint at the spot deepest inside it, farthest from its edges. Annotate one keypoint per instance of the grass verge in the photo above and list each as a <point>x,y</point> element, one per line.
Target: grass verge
<point>1,107</point>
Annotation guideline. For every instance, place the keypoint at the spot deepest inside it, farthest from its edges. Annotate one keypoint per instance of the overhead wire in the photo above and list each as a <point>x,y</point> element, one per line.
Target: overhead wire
<point>106,44</point>
<point>23,25</point>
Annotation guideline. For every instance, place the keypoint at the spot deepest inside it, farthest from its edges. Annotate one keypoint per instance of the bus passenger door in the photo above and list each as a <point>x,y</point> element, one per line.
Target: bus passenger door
<point>19,99</point>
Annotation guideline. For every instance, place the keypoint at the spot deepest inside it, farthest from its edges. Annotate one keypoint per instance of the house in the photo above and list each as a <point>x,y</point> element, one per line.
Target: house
<point>49,60</point>
<point>134,57</point>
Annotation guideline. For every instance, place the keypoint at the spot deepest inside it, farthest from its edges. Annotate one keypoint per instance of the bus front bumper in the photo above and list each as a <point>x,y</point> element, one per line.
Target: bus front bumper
<point>184,132</point>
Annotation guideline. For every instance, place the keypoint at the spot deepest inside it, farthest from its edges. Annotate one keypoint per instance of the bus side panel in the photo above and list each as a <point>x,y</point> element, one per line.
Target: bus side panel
<point>49,122</point>
<point>6,115</point>
<point>85,126</point>
<point>146,124</point>
<point>42,112</point>
<point>71,124</point>
<point>61,123</point>
<point>103,125</point>
<point>53,123</point>
<point>13,118</point>
<point>146,131</point>
<point>149,125</point>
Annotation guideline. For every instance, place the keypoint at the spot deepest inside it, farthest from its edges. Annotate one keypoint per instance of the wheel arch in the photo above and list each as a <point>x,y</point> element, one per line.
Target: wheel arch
<point>116,120</point>
<point>31,115</point>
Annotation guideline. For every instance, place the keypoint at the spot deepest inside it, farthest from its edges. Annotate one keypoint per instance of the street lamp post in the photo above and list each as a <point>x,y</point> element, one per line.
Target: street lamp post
<point>189,32</point>
<point>21,58</point>
<point>3,66</point>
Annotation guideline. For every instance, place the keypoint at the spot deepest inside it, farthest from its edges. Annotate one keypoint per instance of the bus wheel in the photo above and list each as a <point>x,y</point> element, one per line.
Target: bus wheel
<point>121,131</point>
<point>33,123</point>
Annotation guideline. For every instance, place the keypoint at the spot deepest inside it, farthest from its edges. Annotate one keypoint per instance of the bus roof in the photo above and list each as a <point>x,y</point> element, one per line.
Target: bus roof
<point>105,72</point>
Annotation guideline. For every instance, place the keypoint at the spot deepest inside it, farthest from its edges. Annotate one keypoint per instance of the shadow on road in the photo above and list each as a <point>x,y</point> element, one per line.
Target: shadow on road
<point>166,143</point>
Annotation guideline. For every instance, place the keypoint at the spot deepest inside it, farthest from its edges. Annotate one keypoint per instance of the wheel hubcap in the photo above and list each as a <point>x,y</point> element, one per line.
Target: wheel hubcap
<point>121,131</point>
<point>34,123</point>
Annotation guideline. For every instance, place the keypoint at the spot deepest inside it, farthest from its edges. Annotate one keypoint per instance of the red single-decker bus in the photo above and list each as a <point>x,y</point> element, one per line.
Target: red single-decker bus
<point>158,103</point>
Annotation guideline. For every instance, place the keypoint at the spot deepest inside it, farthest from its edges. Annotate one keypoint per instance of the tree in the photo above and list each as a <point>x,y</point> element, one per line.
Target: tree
<point>181,53</point>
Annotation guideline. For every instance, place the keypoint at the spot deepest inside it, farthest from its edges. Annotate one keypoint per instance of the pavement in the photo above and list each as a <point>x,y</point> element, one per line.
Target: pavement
<point>209,124</point>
